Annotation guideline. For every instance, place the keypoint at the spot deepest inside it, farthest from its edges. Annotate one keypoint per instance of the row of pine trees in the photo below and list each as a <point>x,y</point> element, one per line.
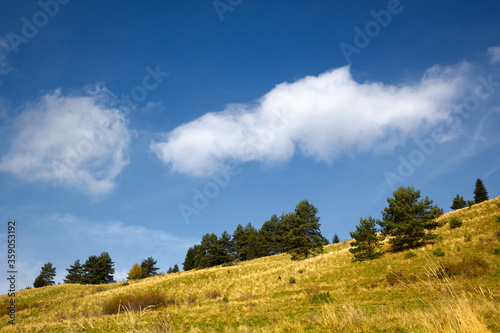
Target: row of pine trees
<point>297,233</point>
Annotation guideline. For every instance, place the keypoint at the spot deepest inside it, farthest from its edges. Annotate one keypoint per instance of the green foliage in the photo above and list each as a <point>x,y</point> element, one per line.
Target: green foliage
<point>470,266</point>
<point>367,242</point>
<point>455,222</point>
<point>148,267</point>
<point>97,270</point>
<point>292,280</point>
<point>137,302</point>
<point>470,203</point>
<point>480,192</point>
<point>336,239</point>
<point>322,297</point>
<point>409,221</point>
<point>496,250</point>
<point>75,273</point>
<point>410,254</point>
<point>467,237</point>
<point>438,252</point>
<point>304,236</point>
<point>46,277</point>
<point>301,271</point>
<point>176,269</point>
<point>458,202</point>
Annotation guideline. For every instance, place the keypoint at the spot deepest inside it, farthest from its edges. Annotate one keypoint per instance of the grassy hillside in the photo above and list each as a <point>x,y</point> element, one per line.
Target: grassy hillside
<point>457,292</point>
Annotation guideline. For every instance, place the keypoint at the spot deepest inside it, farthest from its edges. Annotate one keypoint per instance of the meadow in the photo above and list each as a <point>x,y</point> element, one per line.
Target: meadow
<point>451,285</point>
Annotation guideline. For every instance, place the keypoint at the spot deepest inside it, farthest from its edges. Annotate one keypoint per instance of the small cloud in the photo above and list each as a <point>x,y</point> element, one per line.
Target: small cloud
<point>322,116</point>
<point>152,107</point>
<point>494,53</point>
<point>75,141</point>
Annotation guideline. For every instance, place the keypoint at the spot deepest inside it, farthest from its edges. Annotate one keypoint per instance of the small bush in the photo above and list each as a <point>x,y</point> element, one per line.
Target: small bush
<point>458,248</point>
<point>125,283</point>
<point>467,237</point>
<point>214,294</point>
<point>321,298</point>
<point>192,299</point>
<point>139,302</point>
<point>410,254</point>
<point>455,222</point>
<point>292,280</point>
<point>227,264</point>
<point>438,252</point>
<point>301,271</point>
<point>470,266</point>
<point>279,277</point>
<point>394,277</point>
<point>496,250</point>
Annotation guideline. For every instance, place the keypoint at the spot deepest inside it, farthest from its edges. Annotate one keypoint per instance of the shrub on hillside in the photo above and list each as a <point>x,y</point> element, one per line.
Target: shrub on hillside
<point>138,302</point>
<point>469,266</point>
<point>292,280</point>
<point>321,298</point>
<point>214,294</point>
<point>496,250</point>
<point>438,252</point>
<point>455,222</point>
<point>410,254</point>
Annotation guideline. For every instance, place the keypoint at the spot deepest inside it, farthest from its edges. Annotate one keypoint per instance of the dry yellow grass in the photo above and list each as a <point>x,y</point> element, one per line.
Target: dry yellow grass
<point>391,294</point>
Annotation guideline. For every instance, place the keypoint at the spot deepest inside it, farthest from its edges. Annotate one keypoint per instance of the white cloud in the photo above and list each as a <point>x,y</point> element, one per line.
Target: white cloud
<point>494,53</point>
<point>321,117</point>
<point>76,141</point>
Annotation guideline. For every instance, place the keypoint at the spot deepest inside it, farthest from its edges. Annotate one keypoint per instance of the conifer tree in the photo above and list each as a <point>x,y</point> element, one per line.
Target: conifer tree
<point>305,237</point>
<point>190,260</point>
<point>97,270</point>
<point>458,202</point>
<point>366,241</point>
<point>268,238</point>
<point>148,267</point>
<point>336,239</point>
<point>175,269</point>
<point>409,221</point>
<point>46,277</point>
<point>480,193</point>
<point>75,273</point>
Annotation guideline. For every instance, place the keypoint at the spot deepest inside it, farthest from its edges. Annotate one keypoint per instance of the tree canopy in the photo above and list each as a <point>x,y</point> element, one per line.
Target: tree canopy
<point>480,192</point>
<point>46,277</point>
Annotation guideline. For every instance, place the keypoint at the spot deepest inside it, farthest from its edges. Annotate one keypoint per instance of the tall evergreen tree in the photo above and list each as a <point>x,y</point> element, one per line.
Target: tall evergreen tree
<point>245,242</point>
<point>97,270</point>
<point>458,202</point>
<point>190,260</point>
<point>75,273</point>
<point>46,277</point>
<point>148,267</point>
<point>366,241</point>
<point>409,221</point>
<point>268,238</point>
<point>480,193</point>
<point>227,247</point>
<point>305,236</point>
<point>336,239</point>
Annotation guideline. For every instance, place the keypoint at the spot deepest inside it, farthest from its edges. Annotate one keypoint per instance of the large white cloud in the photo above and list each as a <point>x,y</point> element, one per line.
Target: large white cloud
<point>319,116</point>
<point>76,141</point>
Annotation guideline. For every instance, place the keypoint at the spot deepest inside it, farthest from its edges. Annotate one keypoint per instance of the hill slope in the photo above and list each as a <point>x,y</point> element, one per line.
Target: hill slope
<point>457,292</point>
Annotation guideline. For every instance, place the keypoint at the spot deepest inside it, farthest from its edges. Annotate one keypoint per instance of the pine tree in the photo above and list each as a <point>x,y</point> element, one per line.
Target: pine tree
<point>176,269</point>
<point>97,270</point>
<point>304,236</point>
<point>336,239</point>
<point>458,202</point>
<point>409,221</point>
<point>268,238</point>
<point>75,273</point>
<point>480,193</point>
<point>366,241</point>
<point>189,262</point>
<point>46,277</point>
<point>245,242</point>
<point>148,267</point>
<point>135,272</point>
<point>226,246</point>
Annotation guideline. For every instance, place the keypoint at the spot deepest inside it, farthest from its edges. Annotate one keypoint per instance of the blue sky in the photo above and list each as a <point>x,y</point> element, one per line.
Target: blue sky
<point>135,127</point>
